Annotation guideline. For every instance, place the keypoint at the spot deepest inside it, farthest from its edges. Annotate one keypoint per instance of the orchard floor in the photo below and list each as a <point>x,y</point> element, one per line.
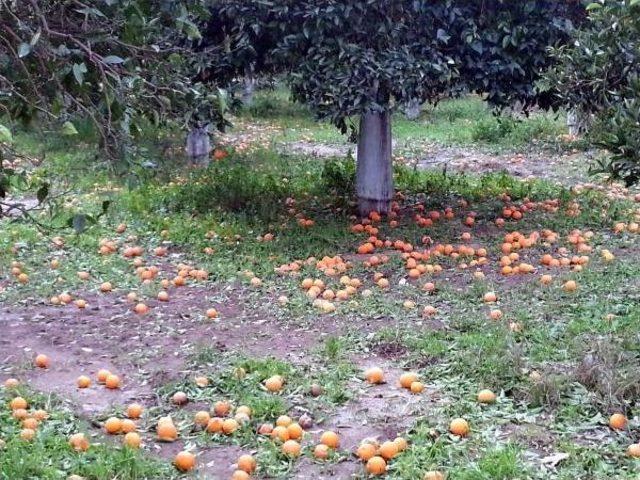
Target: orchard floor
<point>559,361</point>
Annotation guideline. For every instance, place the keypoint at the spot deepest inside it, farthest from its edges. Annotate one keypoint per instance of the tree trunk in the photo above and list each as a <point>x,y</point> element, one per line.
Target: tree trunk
<point>249,83</point>
<point>374,172</point>
<point>412,109</point>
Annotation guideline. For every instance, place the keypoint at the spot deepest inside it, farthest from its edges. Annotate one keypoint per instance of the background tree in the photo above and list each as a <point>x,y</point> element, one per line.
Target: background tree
<point>119,64</point>
<point>355,62</point>
<point>599,73</point>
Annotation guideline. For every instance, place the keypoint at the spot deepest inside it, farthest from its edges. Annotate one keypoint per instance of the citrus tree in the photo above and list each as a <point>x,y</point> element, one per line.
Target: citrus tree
<point>355,62</point>
<point>599,73</point>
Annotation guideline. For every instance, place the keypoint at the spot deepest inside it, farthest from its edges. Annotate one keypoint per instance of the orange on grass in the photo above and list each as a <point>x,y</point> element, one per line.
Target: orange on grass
<point>618,421</point>
<point>388,450</point>
<point>112,382</point>
<point>30,422</point>
<point>83,381</point>
<point>634,450</point>
<point>244,409</point>
<point>215,425</point>
<point>11,383</point>
<point>265,429</point>
<point>407,378</point>
<point>113,425</point>
<point>185,461</point>
<point>366,451</point>
<point>295,431</point>
<point>229,426</point>
<point>433,475</point>
<point>40,415</point>
<point>19,413</point>
<point>132,440</point>
<point>179,398</point>
<point>274,384</point>
<point>374,375</point>
<point>134,411</point>
<point>490,297</point>
<point>486,396</point>
<point>280,433</point>
<point>240,475</point>
<point>222,408</point>
<point>459,426</point>
<point>570,286</point>
<point>417,387</point>
<point>18,402</point>
<point>27,434</point>
<point>202,381</point>
<point>330,439</point>
<point>376,466</point>
<point>283,421</point>
<point>291,448</point>
<point>495,314</point>
<point>106,287</point>
<point>247,463</point>
<point>79,442</point>
<point>201,418</point>
<point>401,443</point>
<point>42,361</point>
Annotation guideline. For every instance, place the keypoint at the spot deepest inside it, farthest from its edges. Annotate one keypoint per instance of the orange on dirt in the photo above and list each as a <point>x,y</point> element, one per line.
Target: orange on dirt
<point>229,426</point>
<point>459,426</point>
<point>42,361</point>
<point>166,430</point>
<point>283,421</point>
<point>134,411</point>
<point>401,443</point>
<point>330,439</point>
<point>112,382</point>
<point>546,279</point>
<point>11,383</point>
<point>179,398</point>
<point>106,287</point>
<point>222,408</point>
<point>265,429</point>
<point>486,396</point>
<point>247,463</point>
<point>81,304</point>
<point>185,461</point>
<point>215,425</point>
<point>366,451</point>
<point>163,296</point>
<point>407,378</point>
<point>274,384</point>
<point>618,421</point>
<point>429,311</point>
<point>321,452</point>
<point>141,309</point>
<point>201,418</point>
<point>374,375</point>
<point>240,475</point>
<point>132,440</point>
<point>376,466</point>
<point>128,425</point>
<point>113,425</point>
<point>280,433</point>
<point>291,448</point>
<point>295,431</point>
<point>83,381</point>
<point>79,442</point>
<point>18,402</point>
<point>212,313</point>
<point>27,434</point>
<point>416,387</point>
<point>388,450</point>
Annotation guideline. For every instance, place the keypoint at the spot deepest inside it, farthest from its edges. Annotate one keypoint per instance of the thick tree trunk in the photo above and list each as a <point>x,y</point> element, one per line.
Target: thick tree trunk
<point>248,87</point>
<point>374,172</point>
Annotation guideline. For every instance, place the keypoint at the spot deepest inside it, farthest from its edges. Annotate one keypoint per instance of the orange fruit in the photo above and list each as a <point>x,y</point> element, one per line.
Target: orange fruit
<point>618,421</point>
<point>570,286</point>
<point>40,415</point>
<point>202,381</point>
<point>141,309</point>
<point>42,361</point>
<point>132,440</point>
<point>229,426</point>
<point>102,375</point>
<point>163,296</point>
<point>83,381</point>
<point>265,429</point>
<point>240,475</point>
<point>30,422</point>
<point>106,287</point>
<point>166,430</point>
<point>112,382</point>
<point>27,434</point>
<point>407,378</point>
<point>134,411</point>
<point>212,313</point>
<point>634,450</point>
<point>280,433</point>
<point>18,402</point>
<point>185,461</point>
<point>128,426</point>
<point>366,451</point>
<point>495,314</point>
<point>247,463</point>
<point>330,439</point>
<point>486,396</point>
<point>179,398</point>
<point>113,425</point>
<point>19,413</point>
<point>374,375</point>
<point>222,408</point>
<point>11,383</point>
<point>490,297</point>
<point>321,452</point>
<point>201,418</point>
<point>401,443</point>
<point>274,384</point>
<point>376,466</point>
<point>459,426</point>
<point>295,431</point>
<point>417,387</point>
<point>79,442</point>
<point>388,450</point>
<point>291,448</point>
<point>283,421</point>
<point>244,410</point>
<point>433,475</point>
<point>215,425</point>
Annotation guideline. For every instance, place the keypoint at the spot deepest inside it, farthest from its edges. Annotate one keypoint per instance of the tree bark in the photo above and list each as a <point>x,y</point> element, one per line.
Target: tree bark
<point>374,171</point>
<point>248,86</point>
